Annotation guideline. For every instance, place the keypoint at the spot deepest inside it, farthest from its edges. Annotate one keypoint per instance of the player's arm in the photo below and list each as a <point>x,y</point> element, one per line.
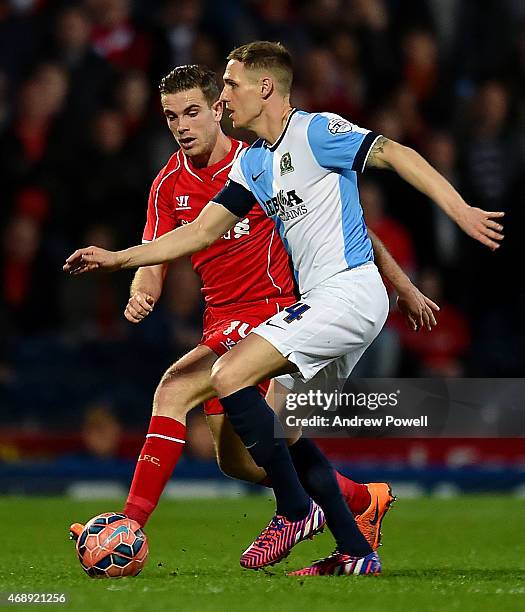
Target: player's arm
<point>411,166</point>
<point>417,308</point>
<point>214,221</point>
<point>146,289</point>
<point>150,280</point>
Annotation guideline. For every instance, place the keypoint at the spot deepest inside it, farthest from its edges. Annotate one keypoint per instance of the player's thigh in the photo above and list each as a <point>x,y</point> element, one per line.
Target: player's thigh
<point>341,316</point>
<point>232,457</point>
<point>185,384</point>
<point>248,363</point>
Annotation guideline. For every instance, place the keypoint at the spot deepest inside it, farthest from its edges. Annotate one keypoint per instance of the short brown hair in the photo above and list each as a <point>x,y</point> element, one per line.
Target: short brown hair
<point>191,76</point>
<point>266,55</point>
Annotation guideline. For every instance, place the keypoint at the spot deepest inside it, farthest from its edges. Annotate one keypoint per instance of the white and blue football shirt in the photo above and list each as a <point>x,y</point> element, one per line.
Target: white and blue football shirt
<point>307,182</point>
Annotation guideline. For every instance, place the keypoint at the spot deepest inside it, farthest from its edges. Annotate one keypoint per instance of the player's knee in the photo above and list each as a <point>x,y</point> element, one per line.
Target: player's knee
<point>171,396</point>
<point>223,378</point>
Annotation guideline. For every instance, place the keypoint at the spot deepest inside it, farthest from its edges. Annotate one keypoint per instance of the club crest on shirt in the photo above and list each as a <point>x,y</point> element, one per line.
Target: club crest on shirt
<point>339,126</point>
<point>286,164</point>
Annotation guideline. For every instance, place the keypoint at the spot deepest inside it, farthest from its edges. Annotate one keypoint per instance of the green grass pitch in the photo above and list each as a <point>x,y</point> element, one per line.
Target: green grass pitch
<point>454,554</point>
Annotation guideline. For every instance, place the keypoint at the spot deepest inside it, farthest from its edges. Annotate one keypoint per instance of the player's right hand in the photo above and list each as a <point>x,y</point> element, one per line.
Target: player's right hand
<point>139,306</point>
<point>90,259</point>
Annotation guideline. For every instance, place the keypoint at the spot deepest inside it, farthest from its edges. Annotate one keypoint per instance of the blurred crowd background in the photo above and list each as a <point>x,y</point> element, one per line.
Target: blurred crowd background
<point>82,136</point>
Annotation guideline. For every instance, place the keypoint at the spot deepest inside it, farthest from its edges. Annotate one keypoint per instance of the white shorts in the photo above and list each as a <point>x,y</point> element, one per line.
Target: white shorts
<point>332,325</point>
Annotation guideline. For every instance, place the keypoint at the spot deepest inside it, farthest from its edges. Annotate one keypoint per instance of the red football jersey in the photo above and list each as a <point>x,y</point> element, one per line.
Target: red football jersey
<point>249,263</point>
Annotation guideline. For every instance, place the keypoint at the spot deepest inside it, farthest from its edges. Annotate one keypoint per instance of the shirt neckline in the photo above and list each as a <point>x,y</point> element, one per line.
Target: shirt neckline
<point>219,164</point>
<point>283,133</point>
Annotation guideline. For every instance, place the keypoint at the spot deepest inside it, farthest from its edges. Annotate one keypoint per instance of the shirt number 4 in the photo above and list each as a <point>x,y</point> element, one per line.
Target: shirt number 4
<point>295,312</point>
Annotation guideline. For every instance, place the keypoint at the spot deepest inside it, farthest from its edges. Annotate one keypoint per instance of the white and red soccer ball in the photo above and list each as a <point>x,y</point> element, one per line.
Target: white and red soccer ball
<point>111,546</point>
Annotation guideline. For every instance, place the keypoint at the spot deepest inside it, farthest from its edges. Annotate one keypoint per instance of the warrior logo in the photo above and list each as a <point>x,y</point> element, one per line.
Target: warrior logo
<point>182,202</point>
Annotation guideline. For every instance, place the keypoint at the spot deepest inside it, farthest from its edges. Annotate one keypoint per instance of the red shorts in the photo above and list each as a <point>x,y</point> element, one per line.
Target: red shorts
<point>224,327</point>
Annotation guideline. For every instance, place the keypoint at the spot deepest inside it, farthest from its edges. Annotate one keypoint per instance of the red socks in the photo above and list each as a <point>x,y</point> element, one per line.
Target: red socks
<point>156,462</point>
<point>356,495</point>
<point>161,453</point>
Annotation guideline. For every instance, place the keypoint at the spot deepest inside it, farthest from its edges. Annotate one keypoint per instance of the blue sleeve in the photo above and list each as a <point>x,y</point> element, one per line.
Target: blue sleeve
<point>235,198</point>
<point>338,144</point>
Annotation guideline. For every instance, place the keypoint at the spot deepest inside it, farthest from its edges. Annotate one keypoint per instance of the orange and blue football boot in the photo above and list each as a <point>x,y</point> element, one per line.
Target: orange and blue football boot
<point>75,530</point>
<point>369,522</point>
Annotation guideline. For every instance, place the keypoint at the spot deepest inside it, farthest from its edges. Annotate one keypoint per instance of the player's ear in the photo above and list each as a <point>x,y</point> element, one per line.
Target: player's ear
<point>266,87</point>
<point>217,110</point>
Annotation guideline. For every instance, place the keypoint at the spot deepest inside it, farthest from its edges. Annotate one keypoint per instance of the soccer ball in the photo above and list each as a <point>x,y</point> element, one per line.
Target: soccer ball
<point>111,546</point>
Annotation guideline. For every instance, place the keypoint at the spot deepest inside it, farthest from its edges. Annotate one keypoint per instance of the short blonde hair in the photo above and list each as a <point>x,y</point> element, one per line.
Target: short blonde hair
<point>265,55</point>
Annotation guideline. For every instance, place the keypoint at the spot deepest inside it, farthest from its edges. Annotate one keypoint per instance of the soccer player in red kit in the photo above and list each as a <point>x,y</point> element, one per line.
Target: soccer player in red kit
<point>238,298</point>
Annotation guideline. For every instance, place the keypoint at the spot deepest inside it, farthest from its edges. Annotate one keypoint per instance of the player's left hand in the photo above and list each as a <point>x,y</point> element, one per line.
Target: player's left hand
<point>482,226</point>
<point>417,309</point>
<point>139,306</point>
<point>90,259</point>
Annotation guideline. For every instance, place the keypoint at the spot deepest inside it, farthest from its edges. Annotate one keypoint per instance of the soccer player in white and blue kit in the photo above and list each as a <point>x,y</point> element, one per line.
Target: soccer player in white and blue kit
<point>303,172</point>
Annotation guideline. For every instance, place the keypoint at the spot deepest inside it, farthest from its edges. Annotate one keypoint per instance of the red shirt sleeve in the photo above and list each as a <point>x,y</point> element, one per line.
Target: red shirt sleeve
<point>161,217</point>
